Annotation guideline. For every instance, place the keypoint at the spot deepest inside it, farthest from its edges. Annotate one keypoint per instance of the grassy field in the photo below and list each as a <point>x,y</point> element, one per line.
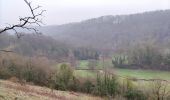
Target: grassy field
<point>15,91</point>
<point>144,74</point>
<point>147,74</point>
<point>84,73</point>
<point>136,73</point>
<point>84,64</point>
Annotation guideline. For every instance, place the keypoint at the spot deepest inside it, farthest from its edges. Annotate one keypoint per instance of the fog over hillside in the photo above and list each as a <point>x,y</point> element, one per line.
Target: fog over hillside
<point>112,32</point>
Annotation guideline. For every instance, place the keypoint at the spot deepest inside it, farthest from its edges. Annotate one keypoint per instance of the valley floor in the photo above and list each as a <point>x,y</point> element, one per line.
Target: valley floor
<point>15,91</point>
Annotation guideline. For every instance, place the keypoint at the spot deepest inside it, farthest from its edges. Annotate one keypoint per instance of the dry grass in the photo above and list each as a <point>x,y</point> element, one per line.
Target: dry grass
<point>15,91</point>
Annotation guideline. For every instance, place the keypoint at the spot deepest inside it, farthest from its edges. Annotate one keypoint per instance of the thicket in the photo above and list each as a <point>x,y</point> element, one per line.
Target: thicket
<point>145,56</point>
<point>86,53</point>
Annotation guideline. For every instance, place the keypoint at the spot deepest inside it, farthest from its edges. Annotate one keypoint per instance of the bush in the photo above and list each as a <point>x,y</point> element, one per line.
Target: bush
<point>88,86</point>
<point>30,69</point>
<point>134,95</point>
<point>130,91</point>
<point>63,76</point>
<point>160,90</point>
<point>74,84</point>
<point>106,85</point>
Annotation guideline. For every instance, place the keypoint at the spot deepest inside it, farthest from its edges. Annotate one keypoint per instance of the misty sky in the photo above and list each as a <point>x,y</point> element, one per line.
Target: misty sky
<point>64,11</point>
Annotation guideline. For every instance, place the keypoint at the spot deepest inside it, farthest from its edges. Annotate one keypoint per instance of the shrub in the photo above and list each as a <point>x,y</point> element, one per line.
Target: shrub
<point>74,84</point>
<point>106,85</point>
<point>160,90</point>
<point>30,69</point>
<point>63,77</point>
<point>87,86</point>
<point>134,95</point>
<point>130,91</point>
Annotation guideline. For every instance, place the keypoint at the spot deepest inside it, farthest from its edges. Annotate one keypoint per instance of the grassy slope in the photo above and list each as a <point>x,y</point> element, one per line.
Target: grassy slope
<point>15,91</point>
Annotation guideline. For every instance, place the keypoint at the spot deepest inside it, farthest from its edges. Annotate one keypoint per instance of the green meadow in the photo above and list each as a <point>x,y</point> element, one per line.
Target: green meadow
<point>135,73</point>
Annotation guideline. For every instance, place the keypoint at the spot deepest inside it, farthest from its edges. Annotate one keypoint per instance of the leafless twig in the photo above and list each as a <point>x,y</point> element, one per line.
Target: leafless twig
<point>33,19</point>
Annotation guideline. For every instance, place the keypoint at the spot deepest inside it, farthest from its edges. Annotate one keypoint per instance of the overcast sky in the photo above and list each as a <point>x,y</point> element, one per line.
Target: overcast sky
<point>65,11</point>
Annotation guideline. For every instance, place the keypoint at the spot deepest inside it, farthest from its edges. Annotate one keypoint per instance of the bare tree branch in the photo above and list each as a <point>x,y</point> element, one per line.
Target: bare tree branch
<point>33,19</point>
<point>6,51</point>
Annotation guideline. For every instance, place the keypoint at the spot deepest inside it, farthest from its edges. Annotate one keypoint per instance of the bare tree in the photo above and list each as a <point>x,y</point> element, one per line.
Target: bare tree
<point>32,19</point>
<point>160,90</point>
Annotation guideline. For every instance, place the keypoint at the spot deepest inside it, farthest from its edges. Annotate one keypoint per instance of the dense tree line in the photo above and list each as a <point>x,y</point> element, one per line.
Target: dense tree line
<point>86,53</point>
<point>145,56</point>
<point>40,45</point>
<point>31,45</point>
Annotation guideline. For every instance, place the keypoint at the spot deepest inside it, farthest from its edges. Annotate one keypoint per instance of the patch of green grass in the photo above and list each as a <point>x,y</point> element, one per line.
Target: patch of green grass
<point>84,73</point>
<point>105,63</point>
<point>83,64</point>
<point>147,74</point>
